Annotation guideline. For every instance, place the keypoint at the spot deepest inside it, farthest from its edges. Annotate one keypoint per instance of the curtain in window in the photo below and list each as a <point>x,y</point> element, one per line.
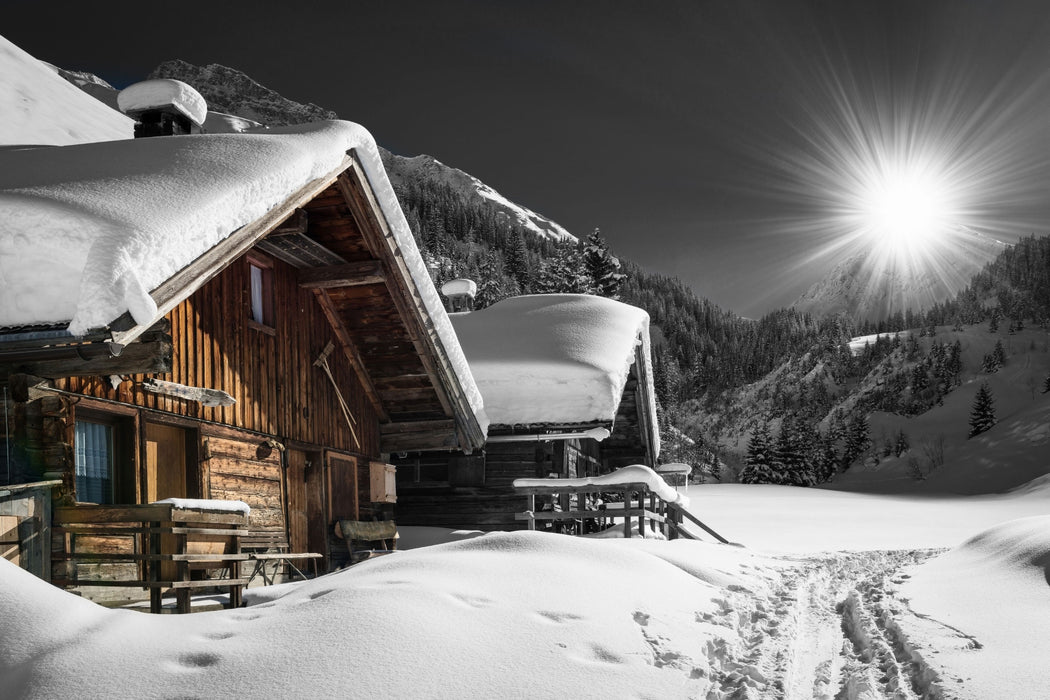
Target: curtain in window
<point>94,462</point>
<point>258,314</point>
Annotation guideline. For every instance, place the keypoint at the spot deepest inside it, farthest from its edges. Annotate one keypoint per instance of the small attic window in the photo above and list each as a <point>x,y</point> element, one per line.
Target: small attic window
<point>260,275</point>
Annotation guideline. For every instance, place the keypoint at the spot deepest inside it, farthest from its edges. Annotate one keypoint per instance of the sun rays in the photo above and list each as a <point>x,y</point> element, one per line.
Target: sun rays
<point>909,173</point>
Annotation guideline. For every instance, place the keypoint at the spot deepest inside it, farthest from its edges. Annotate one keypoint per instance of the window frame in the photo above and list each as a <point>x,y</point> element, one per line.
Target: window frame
<point>264,265</point>
<point>123,486</point>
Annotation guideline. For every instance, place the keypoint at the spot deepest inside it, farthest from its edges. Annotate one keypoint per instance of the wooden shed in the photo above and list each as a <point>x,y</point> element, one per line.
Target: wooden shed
<point>567,385</point>
<point>282,364</point>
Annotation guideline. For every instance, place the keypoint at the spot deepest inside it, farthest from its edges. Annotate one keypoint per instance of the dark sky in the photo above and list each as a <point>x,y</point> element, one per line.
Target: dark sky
<point>698,135</point>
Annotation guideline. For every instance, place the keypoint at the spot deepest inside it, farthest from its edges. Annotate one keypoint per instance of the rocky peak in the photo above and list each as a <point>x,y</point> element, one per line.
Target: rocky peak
<point>231,91</point>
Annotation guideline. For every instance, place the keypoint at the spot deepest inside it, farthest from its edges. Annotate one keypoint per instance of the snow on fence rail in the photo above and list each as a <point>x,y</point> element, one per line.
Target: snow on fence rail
<point>645,497</point>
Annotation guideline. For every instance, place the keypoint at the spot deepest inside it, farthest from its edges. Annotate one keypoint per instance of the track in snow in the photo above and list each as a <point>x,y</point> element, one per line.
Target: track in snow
<point>830,630</point>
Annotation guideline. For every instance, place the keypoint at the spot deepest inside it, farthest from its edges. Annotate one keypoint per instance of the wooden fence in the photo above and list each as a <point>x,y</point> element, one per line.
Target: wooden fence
<point>578,509</point>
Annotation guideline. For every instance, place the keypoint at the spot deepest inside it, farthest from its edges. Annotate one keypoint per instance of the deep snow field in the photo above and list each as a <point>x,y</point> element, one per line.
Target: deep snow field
<point>836,595</point>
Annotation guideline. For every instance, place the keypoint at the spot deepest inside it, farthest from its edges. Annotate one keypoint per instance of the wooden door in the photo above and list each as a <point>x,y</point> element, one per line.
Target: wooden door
<point>166,468</point>
<point>165,462</point>
<point>342,487</point>
<point>298,519</point>
<point>307,525</point>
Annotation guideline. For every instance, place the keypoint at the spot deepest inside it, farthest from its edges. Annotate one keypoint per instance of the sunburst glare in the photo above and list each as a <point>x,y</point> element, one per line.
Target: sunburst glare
<point>914,176</point>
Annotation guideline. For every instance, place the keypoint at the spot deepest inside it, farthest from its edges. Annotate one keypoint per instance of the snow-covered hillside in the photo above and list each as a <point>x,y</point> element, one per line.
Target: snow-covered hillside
<point>37,106</point>
<point>471,190</point>
<point>940,456</point>
<point>870,287</point>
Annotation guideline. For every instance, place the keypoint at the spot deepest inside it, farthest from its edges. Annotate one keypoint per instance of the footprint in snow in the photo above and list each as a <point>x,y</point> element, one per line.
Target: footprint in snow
<point>192,662</point>
<point>559,617</point>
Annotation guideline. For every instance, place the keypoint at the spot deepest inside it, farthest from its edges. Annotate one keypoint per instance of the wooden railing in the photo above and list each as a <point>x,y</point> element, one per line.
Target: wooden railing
<point>581,506</point>
<point>153,546</point>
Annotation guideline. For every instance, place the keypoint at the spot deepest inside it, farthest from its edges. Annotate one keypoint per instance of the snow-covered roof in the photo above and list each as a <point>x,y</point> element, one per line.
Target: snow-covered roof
<point>553,358</point>
<point>88,231</point>
<point>163,92</point>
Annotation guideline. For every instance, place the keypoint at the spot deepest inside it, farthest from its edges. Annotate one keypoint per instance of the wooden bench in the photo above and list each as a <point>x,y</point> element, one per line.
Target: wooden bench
<point>162,543</point>
<point>264,546</point>
<point>371,532</point>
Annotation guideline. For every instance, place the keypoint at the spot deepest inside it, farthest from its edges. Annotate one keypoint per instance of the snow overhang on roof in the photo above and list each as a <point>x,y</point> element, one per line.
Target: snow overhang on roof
<point>94,232</point>
<point>555,358</point>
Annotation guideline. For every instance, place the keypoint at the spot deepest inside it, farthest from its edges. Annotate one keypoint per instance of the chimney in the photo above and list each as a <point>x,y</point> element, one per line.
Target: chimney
<point>163,107</point>
<point>460,293</point>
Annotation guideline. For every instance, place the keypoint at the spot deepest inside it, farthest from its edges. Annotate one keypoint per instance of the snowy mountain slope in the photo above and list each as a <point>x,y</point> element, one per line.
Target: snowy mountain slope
<point>1013,452</point>
<point>941,458</point>
<point>231,91</point>
<point>473,191</point>
<point>866,287</point>
<point>37,106</point>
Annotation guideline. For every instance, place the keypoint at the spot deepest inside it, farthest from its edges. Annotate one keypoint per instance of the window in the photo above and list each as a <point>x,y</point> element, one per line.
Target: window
<point>95,462</point>
<point>103,458</point>
<point>260,274</point>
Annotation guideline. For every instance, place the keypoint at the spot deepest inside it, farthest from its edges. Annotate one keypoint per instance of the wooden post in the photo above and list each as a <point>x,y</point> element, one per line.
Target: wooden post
<point>531,507</point>
<point>652,504</point>
<point>182,569</point>
<point>235,571</point>
<point>154,568</point>
<point>627,498</point>
<point>641,514</point>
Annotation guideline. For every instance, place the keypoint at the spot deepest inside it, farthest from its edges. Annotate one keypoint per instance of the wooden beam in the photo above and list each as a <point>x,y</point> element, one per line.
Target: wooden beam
<point>419,442</point>
<point>416,426</point>
<point>350,351</point>
<point>348,275</point>
<point>95,359</point>
<point>375,230</point>
<point>294,224</point>
<point>189,279</point>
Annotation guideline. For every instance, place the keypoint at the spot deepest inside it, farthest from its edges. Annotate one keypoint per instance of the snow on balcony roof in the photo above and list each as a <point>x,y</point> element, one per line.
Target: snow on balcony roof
<point>87,231</point>
<point>553,358</point>
<point>163,92</point>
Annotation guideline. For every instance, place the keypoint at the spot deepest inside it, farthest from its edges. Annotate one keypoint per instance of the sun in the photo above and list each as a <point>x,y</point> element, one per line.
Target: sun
<point>904,208</point>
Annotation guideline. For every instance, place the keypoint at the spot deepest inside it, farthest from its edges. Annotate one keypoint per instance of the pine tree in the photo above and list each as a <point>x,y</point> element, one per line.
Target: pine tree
<point>490,283</point>
<point>758,467</point>
<point>901,444</point>
<point>517,263</point>
<point>982,414</point>
<point>856,439</point>
<point>797,450</point>
<point>562,273</point>
<point>602,267</point>
<point>1046,384</point>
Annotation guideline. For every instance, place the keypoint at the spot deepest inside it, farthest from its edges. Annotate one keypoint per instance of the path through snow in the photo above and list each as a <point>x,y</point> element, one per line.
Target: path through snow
<point>830,629</point>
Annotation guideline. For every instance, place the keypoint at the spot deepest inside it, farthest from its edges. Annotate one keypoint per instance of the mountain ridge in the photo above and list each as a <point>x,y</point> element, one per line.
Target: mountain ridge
<point>871,285</point>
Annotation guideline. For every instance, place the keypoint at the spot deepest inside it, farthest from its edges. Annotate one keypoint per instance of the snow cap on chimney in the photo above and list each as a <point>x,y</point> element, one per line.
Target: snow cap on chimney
<point>460,293</point>
<point>163,107</point>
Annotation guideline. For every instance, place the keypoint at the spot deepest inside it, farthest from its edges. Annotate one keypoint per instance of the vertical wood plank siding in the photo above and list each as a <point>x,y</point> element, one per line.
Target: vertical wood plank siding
<point>278,390</point>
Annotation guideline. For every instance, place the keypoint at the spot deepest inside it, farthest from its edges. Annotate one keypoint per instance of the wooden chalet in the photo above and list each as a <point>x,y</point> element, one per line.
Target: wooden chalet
<point>283,365</point>
<point>535,379</point>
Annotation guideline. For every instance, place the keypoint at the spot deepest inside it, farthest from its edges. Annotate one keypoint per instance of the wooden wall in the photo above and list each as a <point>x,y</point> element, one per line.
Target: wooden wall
<point>489,504</point>
<point>278,390</point>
